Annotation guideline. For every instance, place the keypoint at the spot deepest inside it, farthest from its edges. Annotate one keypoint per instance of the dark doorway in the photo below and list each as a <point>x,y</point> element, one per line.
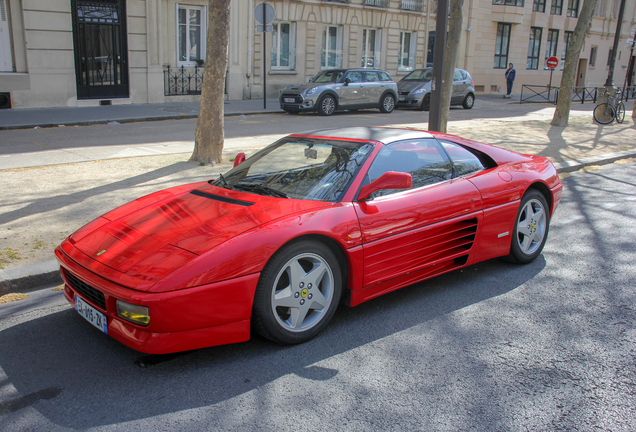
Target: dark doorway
<point>101,48</point>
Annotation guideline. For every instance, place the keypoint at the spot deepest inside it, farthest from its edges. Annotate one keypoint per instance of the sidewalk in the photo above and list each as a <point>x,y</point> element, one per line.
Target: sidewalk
<point>43,205</point>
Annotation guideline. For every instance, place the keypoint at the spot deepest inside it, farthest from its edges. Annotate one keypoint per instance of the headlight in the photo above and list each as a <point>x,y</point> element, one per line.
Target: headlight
<point>133,313</point>
<point>311,91</point>
<point>418,91</point>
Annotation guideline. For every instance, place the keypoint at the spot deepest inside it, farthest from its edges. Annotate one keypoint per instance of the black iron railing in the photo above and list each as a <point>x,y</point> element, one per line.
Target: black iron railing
<point>547,94</point>
<point>377,3</point>
<point>182,81</point>
<point>412,5</point>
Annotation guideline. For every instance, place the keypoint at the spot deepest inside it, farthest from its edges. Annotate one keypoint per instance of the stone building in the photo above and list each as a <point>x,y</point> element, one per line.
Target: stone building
<point>102,52</point>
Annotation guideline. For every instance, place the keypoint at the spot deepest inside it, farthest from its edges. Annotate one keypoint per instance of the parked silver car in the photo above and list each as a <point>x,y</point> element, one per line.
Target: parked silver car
<point>341,89</point>
<point>414,90</point>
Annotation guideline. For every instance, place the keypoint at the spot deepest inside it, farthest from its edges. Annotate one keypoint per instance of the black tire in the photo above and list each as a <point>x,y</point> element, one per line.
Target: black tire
<point>387,103</point>
<point>604,113</point>
<point>469,101</point>
<point>291,111</point>
<point>426,102</point>
<point>620,112</point>
<point>327,105</point>
<point>293,307</point>
<point>530,228</point>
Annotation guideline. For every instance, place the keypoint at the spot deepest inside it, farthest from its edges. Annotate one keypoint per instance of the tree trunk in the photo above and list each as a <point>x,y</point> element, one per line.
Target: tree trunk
<point>452,48</point>
<point>209,135</point>
<point>562,112</point>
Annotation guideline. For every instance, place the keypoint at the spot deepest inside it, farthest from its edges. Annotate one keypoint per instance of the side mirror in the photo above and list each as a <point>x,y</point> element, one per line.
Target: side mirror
<point>239,159</point>
<point>347,81</point>
<point>389,180</point>
<point>311,80</point>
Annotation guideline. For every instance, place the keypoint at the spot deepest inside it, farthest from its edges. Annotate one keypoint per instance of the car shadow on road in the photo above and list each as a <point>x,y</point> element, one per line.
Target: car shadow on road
<point>77,377</point>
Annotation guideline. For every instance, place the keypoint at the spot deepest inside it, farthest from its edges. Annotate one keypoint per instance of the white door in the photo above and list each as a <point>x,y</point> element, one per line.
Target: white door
<point>6,65</point>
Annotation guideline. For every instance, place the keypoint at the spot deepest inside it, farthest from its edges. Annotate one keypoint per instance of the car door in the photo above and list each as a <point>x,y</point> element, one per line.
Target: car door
<point>408,235</point>
<point>373,86</point>
<point>352,93</point>
<point>460,84</point>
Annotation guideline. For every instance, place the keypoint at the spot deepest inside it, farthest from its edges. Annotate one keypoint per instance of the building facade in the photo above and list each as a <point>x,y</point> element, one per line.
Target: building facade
<point>102,52</point>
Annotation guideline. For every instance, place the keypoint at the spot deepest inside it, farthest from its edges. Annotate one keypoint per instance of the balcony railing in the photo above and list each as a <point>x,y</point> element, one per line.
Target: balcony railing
<point>377,3</point>
<point>182,81</point>
<point>412,5</point>
<point>337,1</point>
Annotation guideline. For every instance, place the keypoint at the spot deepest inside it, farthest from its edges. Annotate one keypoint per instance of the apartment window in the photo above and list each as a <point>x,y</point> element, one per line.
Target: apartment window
<point>331,54</point>
<point>573,8</point>
<point>609,57</point>
<point>553,40</point>
<point>371,48</point>
<point>6,63</point>
<point>600,8</point>
<point>191,34</point>
<point>283,46</point>
<point>538,6</point>
<point>534,48</point>
<point>502,44</point>
<point>593,56</point>
<point>557,7</point>
<point>407,51</point>
<point>508,2</point>
<point>566,42</point>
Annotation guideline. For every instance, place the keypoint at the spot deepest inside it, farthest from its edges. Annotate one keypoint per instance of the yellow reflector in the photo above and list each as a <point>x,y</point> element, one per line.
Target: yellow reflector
<point>133,313</point>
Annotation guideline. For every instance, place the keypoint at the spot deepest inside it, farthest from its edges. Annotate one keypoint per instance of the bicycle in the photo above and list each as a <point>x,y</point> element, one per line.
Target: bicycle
<point>606,112</point>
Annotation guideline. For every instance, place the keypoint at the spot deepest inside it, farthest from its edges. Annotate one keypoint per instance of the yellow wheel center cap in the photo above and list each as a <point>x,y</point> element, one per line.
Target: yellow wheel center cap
<point>304,293</point>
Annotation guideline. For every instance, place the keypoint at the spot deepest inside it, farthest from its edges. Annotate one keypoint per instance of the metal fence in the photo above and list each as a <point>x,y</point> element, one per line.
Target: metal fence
<point>182,81</point>
<point>547,94</point>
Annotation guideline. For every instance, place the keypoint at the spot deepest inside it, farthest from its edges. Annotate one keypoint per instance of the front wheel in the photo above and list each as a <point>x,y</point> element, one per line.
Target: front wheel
<point>604,113</point>
<point>620,112</point>
<point>387,104</point>
<point>327,105</point>
<point>531,228</point>
<point>298,292</point>
<point>426,102</point>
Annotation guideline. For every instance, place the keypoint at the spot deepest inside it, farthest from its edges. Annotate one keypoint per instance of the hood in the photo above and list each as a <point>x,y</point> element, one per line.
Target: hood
<point>152,240</point>
<point>409,86</point>
<point>299,88</point>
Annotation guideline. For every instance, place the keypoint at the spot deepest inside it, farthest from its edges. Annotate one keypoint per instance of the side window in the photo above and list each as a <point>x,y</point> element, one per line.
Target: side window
<point>355,76</point>
<point>458,75</point>
<point>424,159</point>
<point>464,161</point>
<point>371,76</point>
<point>384,76</point>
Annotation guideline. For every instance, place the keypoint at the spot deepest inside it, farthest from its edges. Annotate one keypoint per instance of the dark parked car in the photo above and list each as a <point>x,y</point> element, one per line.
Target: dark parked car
<point>341,89</point>
<point>414,90</point>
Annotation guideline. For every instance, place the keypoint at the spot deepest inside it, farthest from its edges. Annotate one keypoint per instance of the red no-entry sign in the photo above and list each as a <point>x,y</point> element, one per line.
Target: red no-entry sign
<point>552,62</point>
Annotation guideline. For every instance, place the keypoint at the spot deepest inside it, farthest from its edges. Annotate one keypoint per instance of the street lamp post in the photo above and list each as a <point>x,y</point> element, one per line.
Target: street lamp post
<point>617,36</point>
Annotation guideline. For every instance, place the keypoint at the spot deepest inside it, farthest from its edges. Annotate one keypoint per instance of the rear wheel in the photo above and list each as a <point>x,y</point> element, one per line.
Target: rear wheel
<point>604,113</point>
<point>620,112</point>
<point>469,101</point>
<point>531,228</point>
<point>327,105</point>
<point>387,104</point>
<point>298,292</point>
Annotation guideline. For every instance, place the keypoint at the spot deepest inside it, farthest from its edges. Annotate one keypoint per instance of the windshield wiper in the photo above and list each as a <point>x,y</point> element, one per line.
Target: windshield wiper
<point>259,187</point>
<point>226,185</point>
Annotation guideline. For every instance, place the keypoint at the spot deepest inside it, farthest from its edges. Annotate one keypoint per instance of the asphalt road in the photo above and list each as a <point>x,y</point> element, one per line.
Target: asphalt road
<point>494,347</point>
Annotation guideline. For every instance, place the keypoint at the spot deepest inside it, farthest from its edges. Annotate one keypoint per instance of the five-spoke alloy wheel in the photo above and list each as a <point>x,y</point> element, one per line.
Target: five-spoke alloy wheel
<point>298,292</point>
<point>531,228</point>
<point>327,105</point>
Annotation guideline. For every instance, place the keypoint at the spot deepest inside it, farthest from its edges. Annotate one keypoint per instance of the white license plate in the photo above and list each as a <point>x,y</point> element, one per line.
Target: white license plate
<point>91,314</point>
<point>289,100</point>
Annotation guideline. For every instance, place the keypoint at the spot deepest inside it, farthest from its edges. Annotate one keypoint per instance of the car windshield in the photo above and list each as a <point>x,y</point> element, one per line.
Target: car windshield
<point>419,75</point>
<point>328,76</point>
<point>299,168</point>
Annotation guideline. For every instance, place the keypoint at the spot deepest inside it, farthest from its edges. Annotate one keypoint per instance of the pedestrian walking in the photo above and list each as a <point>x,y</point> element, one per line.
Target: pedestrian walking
<point>510,78</point>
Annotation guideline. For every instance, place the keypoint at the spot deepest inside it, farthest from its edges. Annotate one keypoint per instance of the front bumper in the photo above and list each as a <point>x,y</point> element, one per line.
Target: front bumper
<point>410,100</point>
<point>197,317</point>
<point>296,102</point>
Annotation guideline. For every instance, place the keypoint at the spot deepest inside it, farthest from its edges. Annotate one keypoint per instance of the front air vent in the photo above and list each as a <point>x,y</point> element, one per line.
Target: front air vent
<point>94,296</point>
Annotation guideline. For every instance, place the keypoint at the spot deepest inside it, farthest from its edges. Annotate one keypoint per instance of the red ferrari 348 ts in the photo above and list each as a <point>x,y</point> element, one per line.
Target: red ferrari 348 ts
<point>312,221</point>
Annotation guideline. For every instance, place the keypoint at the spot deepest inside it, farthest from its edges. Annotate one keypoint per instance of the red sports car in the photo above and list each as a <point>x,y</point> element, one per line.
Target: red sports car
<point>309,222</point>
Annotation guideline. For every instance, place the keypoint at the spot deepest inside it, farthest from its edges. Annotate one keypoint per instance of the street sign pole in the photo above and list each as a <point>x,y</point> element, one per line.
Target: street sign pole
<point>551,63</point>
<point>264,57</point>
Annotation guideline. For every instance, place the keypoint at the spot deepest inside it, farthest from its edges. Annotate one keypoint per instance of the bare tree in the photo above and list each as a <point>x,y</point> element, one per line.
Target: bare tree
<point>450,60</point>
<point>562,113</point>
<point>209,135</point>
